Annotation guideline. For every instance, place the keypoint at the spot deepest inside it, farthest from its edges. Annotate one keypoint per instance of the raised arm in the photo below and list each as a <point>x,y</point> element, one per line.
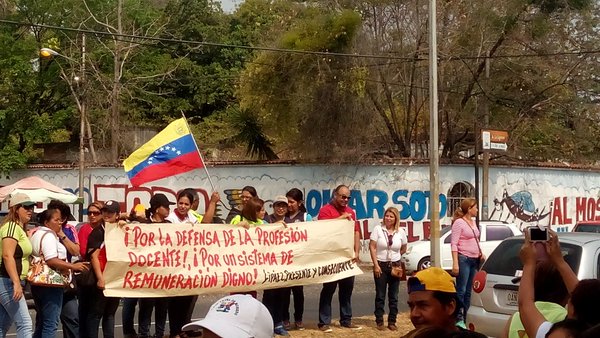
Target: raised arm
<point>530,315</point>
<point>555,254</point>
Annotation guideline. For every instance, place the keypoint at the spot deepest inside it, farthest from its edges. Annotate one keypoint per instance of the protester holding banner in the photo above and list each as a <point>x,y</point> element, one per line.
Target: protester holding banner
<point>296,209</point>
<point>252,214</point>
<point>16,248</point>
<point>48,300</point>
<point>103,308</point>
<point>84,291</point>
<point>272,298</point>
<point>157,213</point>
<point>247,193</point>
<point>209,213</point>
<point>296,213</point>
<point>338,208</point>
<point>182,213</point>
<point>387,245</point>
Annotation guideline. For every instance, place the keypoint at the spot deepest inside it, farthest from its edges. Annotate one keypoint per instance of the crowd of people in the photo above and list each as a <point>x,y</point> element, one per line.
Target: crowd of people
<point>82,307</point>
<point>552,301</point>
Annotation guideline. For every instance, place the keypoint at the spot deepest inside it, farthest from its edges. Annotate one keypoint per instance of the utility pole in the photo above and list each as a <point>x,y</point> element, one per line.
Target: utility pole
<point>82,130</point>
<point>434,198</point>
<point>486,153</point>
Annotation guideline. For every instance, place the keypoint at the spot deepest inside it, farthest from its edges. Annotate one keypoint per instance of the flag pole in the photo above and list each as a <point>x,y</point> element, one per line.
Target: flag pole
<point>199,153</point>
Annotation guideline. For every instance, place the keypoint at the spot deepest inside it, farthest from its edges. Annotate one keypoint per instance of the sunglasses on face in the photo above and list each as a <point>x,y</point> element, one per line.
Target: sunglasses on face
<point>94,213</point>
<point>27,207</point>
<point>344,197</point>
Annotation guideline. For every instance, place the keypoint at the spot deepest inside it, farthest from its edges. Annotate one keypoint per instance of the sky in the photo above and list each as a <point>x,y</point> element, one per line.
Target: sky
<point>229,5</point>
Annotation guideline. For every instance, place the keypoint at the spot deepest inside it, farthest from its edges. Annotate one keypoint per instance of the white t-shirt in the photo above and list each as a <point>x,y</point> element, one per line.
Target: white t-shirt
<point>543,329</point>
<point>51,246</point>
<point>189,218</point>
<point>387,253</point>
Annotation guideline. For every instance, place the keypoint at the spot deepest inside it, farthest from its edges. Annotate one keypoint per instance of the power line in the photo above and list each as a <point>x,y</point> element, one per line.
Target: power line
<point>295,51</point>
<point>203,43</point>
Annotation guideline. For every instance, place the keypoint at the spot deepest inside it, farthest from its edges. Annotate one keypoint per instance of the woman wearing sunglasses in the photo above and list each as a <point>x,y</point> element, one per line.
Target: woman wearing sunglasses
<point>16,249</point>
<point>388,244</point>
<point>84,291</point>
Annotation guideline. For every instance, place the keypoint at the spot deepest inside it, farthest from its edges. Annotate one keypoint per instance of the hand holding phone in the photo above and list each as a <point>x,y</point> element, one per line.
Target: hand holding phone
<point>538,235</point>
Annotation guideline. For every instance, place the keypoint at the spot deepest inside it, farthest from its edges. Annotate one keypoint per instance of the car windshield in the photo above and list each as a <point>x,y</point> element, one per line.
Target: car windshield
<point>505,260</point>
<point>595,227</point>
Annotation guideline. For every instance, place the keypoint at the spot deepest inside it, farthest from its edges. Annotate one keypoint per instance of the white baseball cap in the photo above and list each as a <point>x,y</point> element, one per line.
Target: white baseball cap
<point>236,316</point>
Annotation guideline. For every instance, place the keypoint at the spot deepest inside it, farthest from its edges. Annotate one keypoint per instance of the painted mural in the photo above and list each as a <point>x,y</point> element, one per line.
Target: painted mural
<point>558,198</point>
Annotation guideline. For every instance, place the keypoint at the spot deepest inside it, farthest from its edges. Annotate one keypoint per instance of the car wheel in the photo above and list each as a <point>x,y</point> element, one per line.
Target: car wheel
<point>424,263</point>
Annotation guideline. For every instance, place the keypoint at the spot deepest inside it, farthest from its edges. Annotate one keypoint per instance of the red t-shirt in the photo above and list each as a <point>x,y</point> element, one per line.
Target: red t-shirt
<point>96,242</point>
<point>329,211</point>
<point>83,235</point>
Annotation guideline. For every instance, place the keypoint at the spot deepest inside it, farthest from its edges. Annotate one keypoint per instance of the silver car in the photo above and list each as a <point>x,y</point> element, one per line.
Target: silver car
<point>495,288</point>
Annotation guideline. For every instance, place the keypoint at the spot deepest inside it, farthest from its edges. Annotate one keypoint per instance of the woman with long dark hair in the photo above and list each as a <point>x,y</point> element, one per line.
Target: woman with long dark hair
<point>84,291</point>
<point>296,213</point>
<point>159,210</point>
<point>49,300</point>
<point>466,254</point>
<point>103,308</point>
<point>252,214</point>
<point>183,212</point>
<point>16,248</point>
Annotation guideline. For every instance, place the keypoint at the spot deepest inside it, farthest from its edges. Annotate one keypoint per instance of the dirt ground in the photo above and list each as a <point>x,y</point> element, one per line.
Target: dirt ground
<point>369,329</point>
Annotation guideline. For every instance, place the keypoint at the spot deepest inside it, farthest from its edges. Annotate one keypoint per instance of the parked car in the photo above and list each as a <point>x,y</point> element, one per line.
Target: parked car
<point>495,288</point>
<point>587,226</point>
<point>418,254</point>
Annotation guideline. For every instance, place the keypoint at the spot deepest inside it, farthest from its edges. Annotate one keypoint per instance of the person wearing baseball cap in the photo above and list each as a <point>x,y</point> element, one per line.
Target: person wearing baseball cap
<point>14,264</point>
<point>280,209</point>
<point>235,316</point>
<point>433,301</point>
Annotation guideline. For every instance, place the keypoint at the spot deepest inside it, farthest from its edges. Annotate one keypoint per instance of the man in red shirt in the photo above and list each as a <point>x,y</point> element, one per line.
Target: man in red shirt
<point>338,208</point>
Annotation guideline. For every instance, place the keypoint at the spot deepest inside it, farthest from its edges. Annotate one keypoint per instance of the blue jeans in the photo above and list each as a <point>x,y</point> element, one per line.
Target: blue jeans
<point>467,267</point>
<point>69,315</point>
<point>128,316</point>
<point>13,311</point>
<point>345,299</point>
<point>48,304</point>
<point>391,284</point>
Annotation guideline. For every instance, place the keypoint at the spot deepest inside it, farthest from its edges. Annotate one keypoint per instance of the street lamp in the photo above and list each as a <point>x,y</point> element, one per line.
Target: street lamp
<point>79,98</point>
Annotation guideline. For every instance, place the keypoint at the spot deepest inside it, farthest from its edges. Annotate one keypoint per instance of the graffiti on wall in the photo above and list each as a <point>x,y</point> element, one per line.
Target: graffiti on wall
<point>518,208</point>
<point>523,196</point>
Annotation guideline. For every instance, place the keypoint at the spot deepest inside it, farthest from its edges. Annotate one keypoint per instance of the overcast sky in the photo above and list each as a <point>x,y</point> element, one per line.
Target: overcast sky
<point>229,5</point>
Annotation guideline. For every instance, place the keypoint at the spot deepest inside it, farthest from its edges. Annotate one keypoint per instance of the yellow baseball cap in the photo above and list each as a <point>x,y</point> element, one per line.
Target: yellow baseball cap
<point>431,279</point>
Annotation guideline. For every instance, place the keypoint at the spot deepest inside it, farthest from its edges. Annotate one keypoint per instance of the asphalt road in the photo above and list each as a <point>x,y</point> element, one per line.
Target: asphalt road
<point>363,298</point>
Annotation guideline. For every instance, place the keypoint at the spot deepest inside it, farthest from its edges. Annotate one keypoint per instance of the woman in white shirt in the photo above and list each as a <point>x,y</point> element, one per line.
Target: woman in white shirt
<point>388,244</point>
<point>48,300</point>
<point>183,212</point>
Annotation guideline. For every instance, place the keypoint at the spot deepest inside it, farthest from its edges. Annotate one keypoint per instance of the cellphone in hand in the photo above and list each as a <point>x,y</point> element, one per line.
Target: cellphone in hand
<point>538,235</point>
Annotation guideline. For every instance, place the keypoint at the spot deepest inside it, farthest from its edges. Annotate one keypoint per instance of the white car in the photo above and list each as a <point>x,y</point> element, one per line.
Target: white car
<point>418,254</point>
<point>495,288</point>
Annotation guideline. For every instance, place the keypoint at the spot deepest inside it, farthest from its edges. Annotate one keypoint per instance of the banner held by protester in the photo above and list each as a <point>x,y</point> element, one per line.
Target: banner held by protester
<point>154,260</point>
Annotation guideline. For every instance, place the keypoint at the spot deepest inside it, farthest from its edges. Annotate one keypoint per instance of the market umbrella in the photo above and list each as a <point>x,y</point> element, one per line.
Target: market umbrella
<point>38,190</point>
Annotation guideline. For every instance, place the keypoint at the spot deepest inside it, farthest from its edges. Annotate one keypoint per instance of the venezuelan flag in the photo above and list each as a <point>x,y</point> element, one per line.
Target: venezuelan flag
<point>171,152</point>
